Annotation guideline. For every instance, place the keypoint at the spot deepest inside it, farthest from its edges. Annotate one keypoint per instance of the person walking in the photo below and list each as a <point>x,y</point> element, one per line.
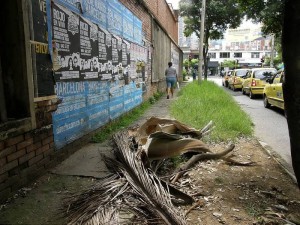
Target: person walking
<point>171,79</point>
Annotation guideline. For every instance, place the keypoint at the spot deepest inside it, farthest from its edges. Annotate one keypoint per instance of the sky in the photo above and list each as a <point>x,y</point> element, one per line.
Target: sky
<point>175,3</point>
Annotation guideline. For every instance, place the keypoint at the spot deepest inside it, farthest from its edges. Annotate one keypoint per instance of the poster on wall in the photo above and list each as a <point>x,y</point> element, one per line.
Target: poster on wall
<point>95,11</point>
<point>41,63</point>
<point>137,31</point>
<point>128,20</point>
<point>114,17</point>
<point>88,50</point>
<point>97,104</point>
<point>125,61</point>
<point>105,54</point>
<point>70,119</point>
<point>116,43</point>
<point>65,43</point>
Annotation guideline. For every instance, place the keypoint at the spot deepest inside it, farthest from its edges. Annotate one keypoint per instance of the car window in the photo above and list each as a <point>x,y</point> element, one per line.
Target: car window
<point>276,78</point>
<point>264,74</point>
<point>248,74</point>
<point>241,73</point>
<point>282,77</point>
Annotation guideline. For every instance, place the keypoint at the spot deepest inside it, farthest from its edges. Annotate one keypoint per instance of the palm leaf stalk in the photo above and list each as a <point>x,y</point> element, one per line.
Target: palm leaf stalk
<point>145,183</point>
<point>132,195</point>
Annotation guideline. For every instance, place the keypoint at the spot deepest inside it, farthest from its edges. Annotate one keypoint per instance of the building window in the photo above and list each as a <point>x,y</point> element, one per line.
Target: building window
<point>212,55</point>
<point>224,54</point>
<point>255,55</point>
<point>237,55</point>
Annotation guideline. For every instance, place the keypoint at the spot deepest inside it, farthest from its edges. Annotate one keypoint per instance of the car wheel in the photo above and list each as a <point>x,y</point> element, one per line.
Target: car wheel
<point>233,88</point>
<point>226,84</point>
<point>266,102</point>
<point>251,95</point>
<point>243,91</point>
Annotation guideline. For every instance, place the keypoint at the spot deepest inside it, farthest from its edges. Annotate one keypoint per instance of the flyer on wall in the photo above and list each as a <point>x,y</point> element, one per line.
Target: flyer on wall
<point>65,43</point>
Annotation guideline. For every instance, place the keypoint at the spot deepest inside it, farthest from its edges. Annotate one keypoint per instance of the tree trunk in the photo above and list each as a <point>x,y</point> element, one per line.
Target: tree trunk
<point>291,86</point>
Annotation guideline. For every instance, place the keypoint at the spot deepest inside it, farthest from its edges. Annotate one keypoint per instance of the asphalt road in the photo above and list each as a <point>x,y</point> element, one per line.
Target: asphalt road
<point>270,124</point>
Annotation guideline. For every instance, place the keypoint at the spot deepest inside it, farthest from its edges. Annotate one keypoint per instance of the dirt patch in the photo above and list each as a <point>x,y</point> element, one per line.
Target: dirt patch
<point>227,194</point>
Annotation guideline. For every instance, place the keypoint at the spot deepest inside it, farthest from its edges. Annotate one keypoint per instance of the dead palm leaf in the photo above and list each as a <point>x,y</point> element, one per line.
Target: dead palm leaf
<point>145,183</point>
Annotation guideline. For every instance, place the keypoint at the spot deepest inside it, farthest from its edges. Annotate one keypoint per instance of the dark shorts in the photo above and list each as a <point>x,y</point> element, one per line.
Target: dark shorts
<point>171,81</point>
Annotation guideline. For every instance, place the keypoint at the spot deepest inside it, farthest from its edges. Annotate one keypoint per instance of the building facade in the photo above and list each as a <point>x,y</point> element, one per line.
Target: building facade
<point>245,45</point>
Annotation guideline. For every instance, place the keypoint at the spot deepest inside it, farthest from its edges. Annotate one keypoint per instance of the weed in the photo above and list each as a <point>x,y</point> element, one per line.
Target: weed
<point>152,100</point>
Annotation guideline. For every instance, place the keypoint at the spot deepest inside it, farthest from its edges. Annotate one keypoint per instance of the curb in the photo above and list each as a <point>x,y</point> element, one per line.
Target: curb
<point>282,163</point>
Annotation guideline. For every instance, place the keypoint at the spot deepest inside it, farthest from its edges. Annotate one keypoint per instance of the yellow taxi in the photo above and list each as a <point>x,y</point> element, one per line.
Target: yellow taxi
<point>273,94</point>
<point>255,81</point>
<point>236,79</point>
<point>226,77</point>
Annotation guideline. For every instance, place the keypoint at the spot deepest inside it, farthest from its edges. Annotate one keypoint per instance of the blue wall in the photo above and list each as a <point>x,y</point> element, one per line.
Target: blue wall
<point>89,103</point>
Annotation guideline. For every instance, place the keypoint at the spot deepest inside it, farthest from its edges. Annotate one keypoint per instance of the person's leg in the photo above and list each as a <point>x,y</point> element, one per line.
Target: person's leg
<point>173,82</point>
<point>169,85</point>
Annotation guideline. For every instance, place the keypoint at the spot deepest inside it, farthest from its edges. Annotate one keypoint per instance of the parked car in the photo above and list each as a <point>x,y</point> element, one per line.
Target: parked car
<point>236,79</point>
<point>273,94</point>
<point>255,81</point>
<point>226,77</point>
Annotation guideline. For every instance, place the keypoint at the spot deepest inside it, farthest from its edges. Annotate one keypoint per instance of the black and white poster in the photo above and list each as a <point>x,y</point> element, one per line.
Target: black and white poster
<point>116,56</point>
<point>88,50</point>
<point>65,43</point>
<point>105,54</point>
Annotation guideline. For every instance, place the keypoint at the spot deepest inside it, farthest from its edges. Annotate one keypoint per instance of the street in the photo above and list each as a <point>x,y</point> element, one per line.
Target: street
<point>270,124</point>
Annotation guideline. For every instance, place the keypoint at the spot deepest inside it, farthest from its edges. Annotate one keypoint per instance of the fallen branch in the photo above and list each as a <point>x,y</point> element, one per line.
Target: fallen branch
<point>236,163</point>
<point>199,157</point>
<point>198,203</point>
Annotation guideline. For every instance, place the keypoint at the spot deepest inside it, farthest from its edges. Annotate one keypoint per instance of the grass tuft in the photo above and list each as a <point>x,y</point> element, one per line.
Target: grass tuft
<point>121,123</point>
<point>198,104</point>
<point>125,120</point>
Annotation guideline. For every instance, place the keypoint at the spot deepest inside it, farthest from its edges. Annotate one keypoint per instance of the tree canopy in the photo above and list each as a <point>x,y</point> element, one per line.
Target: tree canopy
<point>220,15</point>
<point>267,12</point>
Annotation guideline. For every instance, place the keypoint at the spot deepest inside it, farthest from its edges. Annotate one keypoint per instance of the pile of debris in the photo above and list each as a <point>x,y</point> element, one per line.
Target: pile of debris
<point>134,193</point>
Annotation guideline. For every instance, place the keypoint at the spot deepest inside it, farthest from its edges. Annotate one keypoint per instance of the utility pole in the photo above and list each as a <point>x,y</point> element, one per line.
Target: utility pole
<point>272,51</point>
<point>201,41</point>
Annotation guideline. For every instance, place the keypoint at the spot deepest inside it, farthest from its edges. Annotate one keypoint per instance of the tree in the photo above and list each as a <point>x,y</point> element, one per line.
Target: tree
<point>231,64</point>
<point>267,12</point>
<point>291,90</point>
<point>220,15</point>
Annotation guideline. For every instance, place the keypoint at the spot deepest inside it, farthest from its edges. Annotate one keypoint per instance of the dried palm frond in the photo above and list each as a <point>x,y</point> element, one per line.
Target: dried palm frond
<point>145,183</point>
<point>162,145</point>
<point>155,124</point>
<point>133,195</point>
<point>95,204</point>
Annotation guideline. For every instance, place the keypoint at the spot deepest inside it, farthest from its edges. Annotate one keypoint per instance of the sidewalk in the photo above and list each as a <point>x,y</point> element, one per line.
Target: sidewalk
<point>39,203</point>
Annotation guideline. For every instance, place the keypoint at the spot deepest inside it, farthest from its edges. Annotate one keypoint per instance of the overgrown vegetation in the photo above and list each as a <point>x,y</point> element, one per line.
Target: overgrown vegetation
<point>198,104</point>
<point>125,120</point>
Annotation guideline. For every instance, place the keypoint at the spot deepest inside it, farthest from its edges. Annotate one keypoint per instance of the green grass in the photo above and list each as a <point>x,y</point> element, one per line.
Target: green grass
<point>121,123</point>
<point>125,120</point>
<point>199,104</point>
